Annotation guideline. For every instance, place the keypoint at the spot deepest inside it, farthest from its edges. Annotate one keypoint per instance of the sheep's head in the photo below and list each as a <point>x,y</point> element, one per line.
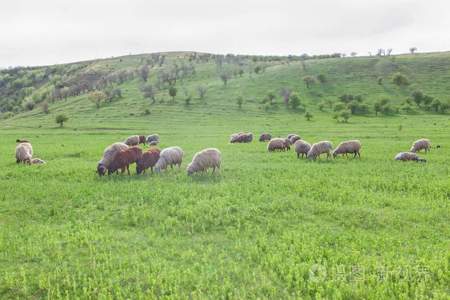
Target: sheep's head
<point>190,169</point>
<point>101,169</point>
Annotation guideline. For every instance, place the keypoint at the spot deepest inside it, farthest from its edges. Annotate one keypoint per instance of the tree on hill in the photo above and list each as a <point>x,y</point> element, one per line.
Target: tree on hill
<point>60,119</point>
<point>309,81</point>
<point>308,116</point>
<point>149,92</point>
<point>295,101</point>
<point>321,78</point>
<point>400,80</point>
<point>201,90</point>
<point>143,72</point>
<point>97,97</point>
<point>353,54</point>
<point>224,77</point>
<point>412,50</point>
<point>240,101</point>
<point>285,93</point>
<point>270,98</point>
<point>172,92</point>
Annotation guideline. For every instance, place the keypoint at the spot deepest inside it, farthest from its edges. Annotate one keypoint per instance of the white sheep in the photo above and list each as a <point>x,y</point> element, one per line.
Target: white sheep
<point>132,140</point>
<point>319,148</point>
<point>422,144</point>
<point>301,147</point>
<point>169,157</point>
<point>37,161</point>
<point>203,160</point>
<point>24,153</point>
<point>108,156</point>
<point>153,139</point>
<point>353,146</point>
<point>407,156</point>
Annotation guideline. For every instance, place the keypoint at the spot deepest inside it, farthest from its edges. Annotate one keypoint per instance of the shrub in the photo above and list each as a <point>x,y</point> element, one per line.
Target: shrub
<point>308,116</point>
<point>172,92</point>
<point>239,101</point>
<point>295,101</point>
<point>61,119</point>
<point>29,105</point>
<point>400,80</point>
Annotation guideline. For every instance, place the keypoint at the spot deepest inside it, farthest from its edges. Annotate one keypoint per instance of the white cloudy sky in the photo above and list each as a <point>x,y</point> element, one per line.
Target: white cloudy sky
<point>36,32</point>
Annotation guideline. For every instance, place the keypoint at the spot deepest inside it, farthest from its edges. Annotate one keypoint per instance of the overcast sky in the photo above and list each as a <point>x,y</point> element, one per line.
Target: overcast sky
<point>37,32</point>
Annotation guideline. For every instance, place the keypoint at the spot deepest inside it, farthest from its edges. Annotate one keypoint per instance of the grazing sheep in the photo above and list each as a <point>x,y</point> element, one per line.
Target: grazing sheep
<point>153,139</point>
<point>123,159</point>
<point>108,156</point>
<point>24,153</point>
<point>319,148</point>
<point>142,139</point>
<point>241,137</point>
<point>37,161</point>
<point>293,138</point>
<point>301,147</point>
<point>169,157</point>
<point>353,146</point>
<point>407,156</point>
<point>264,137</point>
<point>132,140</point>
<point>148,160</point>
<point>278,144</point>
<point>290,135</point>
<point>422,144</point>
<point>203,160</point>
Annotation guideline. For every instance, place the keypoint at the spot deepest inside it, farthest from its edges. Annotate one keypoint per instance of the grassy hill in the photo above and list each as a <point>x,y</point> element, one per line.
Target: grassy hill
<point>269,225</point>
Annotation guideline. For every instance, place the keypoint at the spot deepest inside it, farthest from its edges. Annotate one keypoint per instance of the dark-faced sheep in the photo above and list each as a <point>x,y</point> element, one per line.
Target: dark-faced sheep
<point>148,160</point>
<point>302,148</point>
<point>204,160</point>
<point>153,139</point>
<point>241,137</point>
<point>293,138</point>
<point>352,147</point>
<point>24,153</point>
<point>409,156</point>
<point>278,144</point>
<point>108,156</point>
<point>123,159</point>
<point>169,157</point>
<point>264,137</point>
<point>319,148</point>
<point>132,140</point>
<point>422,144</point>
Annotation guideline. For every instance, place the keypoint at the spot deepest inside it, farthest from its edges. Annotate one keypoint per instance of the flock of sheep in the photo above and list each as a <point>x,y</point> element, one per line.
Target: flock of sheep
<point>119,156</point>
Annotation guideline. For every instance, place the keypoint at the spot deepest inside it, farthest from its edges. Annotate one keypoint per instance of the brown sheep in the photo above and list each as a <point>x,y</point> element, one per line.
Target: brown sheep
<point>422,144</point>
<point>142,139</point>
<point>123,159</point>
<point>279,144</point>
<point>353,146</point>
<point>132,140</point>
<point>302,147</point>
<point>264,137</point>
<point>148,160</point>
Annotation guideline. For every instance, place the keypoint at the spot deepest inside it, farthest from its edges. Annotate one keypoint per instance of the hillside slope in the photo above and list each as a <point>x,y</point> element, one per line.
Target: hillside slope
<point>65,88</point>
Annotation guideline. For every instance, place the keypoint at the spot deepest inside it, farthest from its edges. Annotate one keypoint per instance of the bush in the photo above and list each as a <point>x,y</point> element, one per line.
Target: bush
<point>308,116</point>
<point>295,101</point>
<point>240,101</point>
<point>60,119</point>
<point>29,105</point>
<point>400,80</point>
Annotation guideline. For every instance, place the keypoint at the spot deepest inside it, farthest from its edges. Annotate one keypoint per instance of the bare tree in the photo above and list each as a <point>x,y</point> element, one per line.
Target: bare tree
<point>412,50</point>
<point>389,51</point>
<point>353,54</point>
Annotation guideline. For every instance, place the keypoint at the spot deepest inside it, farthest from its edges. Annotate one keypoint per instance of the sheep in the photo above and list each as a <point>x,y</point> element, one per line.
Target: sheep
<point>24,153</point>
<point>407,156</point>
<point>142,139</point>
<point>148,160</point>
<point>241,137</point>
<point>132,140</point>
<point>108,156</point>
<point>293,138</point>
<point>153,139</point>
<point>203,160</point>
<point>264,137</point>
<point>353,146</point>
<point>278,144</point>
<point>302,147</point>
<point>422,144</point>
<point>123,159</point>
<point>37,161</point>
<point>319,148</point>
<point>169,157</point>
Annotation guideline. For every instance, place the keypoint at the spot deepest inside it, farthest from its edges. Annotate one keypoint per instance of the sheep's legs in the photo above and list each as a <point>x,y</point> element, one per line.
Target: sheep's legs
<point>128,170</point>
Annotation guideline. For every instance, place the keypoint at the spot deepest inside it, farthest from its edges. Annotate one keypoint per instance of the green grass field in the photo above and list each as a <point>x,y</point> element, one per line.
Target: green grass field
<point>268,226</point>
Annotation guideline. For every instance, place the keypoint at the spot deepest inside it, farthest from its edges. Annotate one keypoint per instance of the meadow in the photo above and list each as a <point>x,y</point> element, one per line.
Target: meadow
<point>268,225</point>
